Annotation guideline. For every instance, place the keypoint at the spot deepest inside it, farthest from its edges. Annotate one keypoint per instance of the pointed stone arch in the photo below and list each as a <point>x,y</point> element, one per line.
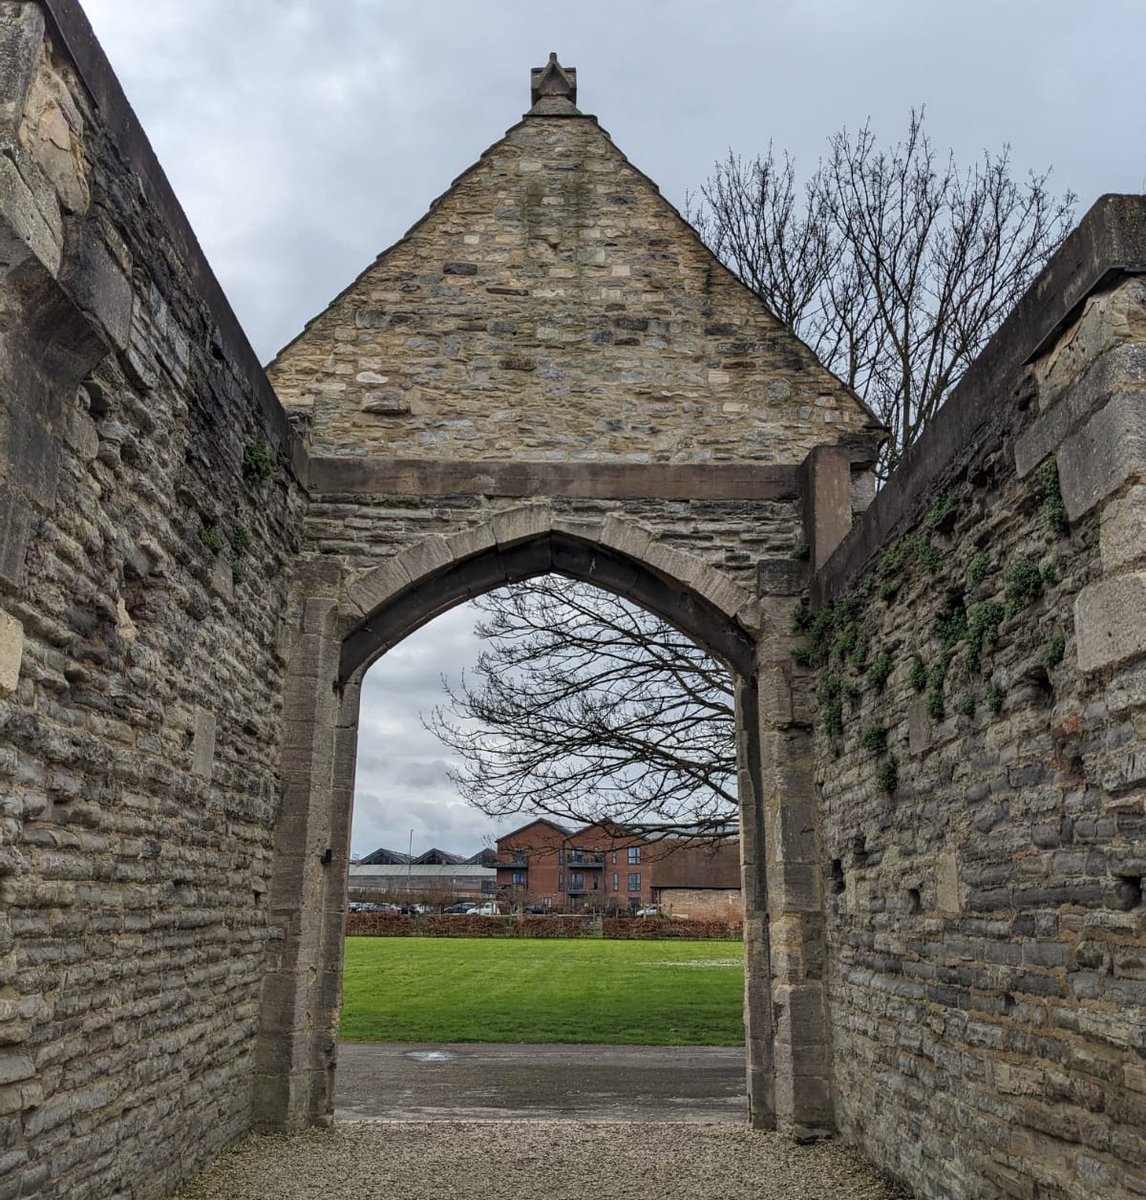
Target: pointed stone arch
<point>388,603</point>
<point>344,629</point>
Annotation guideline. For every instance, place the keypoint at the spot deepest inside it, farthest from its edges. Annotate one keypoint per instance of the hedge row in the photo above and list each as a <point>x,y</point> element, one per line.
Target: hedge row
<point>365,924</point>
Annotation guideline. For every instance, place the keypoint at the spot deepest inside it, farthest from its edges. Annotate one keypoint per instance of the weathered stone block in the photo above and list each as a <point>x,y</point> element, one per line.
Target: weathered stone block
<point>1110,622</point>
<point>203,744</point>
<point>1106,452</point>
<point>514,525</point>
<point>11,653</point>
<point>21,47</point>
<point>1115,371</point>
<point>30,222</point>
<point>1123,531</point>
<point>96,284</point>
<point>918,725</point>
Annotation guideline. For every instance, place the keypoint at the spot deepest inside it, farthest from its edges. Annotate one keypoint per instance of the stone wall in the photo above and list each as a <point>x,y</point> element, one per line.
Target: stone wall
<point>146,517</point>
<point>730,534</point>
<point>549,373</point>
<point>981,701</point>
<point>553,306</point>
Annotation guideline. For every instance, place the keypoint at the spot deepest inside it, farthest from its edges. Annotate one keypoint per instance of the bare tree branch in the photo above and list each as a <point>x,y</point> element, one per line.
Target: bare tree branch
<point>894,267</point>
<point>586,708</point>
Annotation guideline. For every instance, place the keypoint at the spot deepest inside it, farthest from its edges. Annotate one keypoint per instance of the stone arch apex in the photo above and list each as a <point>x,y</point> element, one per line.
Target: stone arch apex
<point>420,582</point>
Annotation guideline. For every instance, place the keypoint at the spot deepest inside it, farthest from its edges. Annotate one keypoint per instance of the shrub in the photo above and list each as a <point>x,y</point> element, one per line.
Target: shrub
<point>880,671</point>
<point>979,568</point>
<point>874,738</point>
<point>1055,651</point>
<point>887,774</point>
<point>1050,496</point>
<point>258,463</point>
<point>831,703</point>
<point>1024,584</point>
<point>210,536</point>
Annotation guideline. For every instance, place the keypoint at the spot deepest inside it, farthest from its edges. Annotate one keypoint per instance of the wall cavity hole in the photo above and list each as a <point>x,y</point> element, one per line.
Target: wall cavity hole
<point>1128,892</point>
<point>911,900</point>
<point>1008,1002</point>
<point>836,876</point>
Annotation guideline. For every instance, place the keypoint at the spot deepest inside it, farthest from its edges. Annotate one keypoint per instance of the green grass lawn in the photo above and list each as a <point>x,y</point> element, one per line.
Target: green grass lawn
<point>674,993</point>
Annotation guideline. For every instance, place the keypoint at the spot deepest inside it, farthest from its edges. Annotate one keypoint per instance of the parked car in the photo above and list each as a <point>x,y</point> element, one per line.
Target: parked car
<point>650,910</point>
<point>462,909</point>
<point>489,909</point>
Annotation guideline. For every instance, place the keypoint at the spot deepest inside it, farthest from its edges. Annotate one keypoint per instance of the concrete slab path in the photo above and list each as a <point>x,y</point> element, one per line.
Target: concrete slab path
<point>464,1081</point>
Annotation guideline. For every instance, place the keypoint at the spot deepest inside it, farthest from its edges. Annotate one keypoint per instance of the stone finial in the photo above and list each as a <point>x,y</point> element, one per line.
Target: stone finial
<point>553,88</point>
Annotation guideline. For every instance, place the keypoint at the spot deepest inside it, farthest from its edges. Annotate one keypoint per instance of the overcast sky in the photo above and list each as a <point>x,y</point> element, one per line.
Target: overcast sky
<point>305,136</point>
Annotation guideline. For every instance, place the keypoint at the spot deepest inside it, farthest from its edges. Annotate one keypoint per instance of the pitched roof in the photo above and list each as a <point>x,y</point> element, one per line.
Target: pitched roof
<point>384,858</point>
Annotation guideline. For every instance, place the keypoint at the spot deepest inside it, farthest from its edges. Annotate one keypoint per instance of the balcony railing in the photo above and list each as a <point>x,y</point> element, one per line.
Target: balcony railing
<point>584,858</point>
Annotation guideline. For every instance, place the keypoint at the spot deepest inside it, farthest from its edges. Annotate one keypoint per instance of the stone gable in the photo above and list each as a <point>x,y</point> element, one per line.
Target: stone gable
<point>553,306</point>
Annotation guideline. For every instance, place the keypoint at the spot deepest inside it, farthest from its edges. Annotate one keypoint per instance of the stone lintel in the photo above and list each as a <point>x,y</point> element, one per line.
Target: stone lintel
<point>330,476</point>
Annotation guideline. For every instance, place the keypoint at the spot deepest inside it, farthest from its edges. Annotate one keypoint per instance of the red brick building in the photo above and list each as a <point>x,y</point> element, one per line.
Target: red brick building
<point>602,867</point>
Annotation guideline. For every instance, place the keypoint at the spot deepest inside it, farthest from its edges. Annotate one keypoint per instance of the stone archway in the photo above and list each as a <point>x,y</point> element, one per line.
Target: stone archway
<point>551,372</point>
<point>342,635</point>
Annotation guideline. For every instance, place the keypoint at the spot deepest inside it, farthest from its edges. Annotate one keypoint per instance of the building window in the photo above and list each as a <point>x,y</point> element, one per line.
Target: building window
<point>576,881</point>
<point>634,881</point>
<point>519,879</point>
<point>561,881</point>
<point>634,855</point>
<point>616,880</point>
<point>614,858</point>
<point>560,858</point>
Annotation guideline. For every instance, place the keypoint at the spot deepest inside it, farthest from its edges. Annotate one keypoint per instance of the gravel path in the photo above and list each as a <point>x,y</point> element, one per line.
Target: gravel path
<point>535,1160</point>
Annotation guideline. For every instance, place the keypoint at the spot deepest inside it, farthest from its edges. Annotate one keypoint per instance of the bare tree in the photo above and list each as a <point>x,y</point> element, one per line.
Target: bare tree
<point>895,266</point>
<point>585,708</point>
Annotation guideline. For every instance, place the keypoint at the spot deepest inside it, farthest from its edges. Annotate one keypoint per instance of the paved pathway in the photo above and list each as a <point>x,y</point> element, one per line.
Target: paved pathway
<point>423,1082</point>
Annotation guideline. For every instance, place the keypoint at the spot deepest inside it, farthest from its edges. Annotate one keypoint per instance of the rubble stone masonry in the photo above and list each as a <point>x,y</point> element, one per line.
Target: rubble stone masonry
<point>940,712</point>
<point>143,583</point>
<point>981,706</point>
